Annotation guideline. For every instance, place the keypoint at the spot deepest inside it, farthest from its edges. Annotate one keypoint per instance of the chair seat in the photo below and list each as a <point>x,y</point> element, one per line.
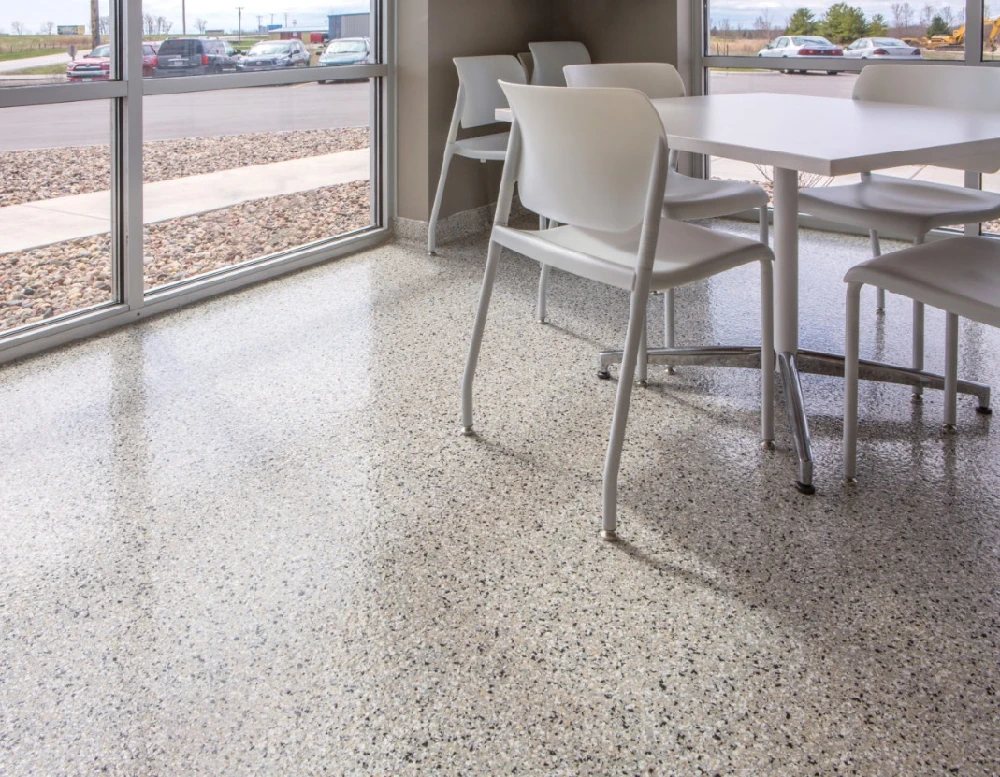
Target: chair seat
<point>695,198</point>
<point>910,208</point>
<point>492,148</point>
<point>960,275</point>
<point>684,252</point>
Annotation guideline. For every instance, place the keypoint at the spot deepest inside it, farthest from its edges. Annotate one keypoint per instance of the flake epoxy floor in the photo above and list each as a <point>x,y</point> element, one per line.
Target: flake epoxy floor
<point>246,538</point>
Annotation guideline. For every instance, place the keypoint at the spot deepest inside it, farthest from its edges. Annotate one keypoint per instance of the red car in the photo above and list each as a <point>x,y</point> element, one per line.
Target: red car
<point>96,65</point>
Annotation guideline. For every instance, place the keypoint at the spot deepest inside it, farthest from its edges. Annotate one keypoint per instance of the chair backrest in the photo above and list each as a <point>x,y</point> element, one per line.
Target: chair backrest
<point>654,79</point>
<point>585,156</point>
<point>552,56</point>
<point>940,86</point>
<point>479,88</point>
<point>527,62</point>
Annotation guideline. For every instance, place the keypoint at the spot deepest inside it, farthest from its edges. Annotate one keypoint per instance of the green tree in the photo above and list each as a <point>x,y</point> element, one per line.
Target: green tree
<point>843,23</point>
<point>877,25</point>
<point>802,22</point>
<point>938,27</point>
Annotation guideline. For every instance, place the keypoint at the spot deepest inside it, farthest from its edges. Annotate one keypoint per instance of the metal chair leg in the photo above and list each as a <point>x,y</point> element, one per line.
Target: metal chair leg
<point>492,260</point>
<point>449,154</point>
<point>880,292</point>
<point>951,372</point>
<point>850,448</point>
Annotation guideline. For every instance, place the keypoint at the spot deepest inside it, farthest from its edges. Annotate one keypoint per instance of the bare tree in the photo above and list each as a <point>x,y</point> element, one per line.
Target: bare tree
<point>48,27</point>
<point>946,14</point>
<point>104,25</point>
<point>201,25</point>
<point>160,21</point>
<point>764,23</point>
<point>148,23</point>
<point>167,24</point>
<point>17,27</point>
<point>926,14</point>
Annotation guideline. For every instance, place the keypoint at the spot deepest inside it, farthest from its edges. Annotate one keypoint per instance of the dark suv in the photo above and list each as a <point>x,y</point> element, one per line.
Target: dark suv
<point>194,57</point>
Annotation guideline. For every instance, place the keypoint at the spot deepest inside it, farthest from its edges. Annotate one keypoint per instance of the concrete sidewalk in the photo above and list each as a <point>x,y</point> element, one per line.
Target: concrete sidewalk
<point>45,222</point>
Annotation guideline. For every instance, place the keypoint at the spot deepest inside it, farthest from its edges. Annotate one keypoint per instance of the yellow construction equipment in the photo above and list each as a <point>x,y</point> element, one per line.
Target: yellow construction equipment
<point>956,41</point>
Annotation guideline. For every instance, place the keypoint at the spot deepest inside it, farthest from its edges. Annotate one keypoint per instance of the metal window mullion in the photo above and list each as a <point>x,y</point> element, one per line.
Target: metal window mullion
<point>24,96</point>
<point>388,125</point>
<point>973,22</point>
<point>130,215</point>
<point>188,84</point>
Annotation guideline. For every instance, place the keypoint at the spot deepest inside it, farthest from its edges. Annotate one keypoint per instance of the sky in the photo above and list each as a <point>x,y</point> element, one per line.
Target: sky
<point>220,14</point>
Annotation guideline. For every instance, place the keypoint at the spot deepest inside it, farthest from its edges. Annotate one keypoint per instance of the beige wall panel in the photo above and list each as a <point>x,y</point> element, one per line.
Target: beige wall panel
<point>468,28</point>
<point>619,30</point>
<point>412,93</point>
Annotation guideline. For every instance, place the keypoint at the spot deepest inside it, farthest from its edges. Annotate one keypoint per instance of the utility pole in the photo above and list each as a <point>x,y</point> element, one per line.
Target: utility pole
<point>286,19</point>
<point>260,23</point>
<point>184,26</point>
<point>239,22</point>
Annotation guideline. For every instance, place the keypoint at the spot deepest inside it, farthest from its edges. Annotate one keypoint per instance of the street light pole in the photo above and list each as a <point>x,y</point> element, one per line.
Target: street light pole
<point>184,26</point>
<point>239,22</point>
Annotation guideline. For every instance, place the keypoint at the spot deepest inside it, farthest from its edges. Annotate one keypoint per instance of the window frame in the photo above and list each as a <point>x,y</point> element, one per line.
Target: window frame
<point>127,89</point>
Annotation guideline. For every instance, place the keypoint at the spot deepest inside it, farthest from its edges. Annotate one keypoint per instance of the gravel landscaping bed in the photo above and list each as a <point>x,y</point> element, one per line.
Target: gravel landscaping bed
<point>42,174</point>
<point>76,274</point>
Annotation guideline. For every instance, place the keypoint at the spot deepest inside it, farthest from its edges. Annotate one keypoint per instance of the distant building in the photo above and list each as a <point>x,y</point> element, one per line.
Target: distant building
<point>306,34</point>
<point>350,25</point>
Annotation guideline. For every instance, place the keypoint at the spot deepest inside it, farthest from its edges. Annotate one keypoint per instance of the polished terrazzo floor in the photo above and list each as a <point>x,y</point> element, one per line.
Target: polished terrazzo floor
<point>246,538</point>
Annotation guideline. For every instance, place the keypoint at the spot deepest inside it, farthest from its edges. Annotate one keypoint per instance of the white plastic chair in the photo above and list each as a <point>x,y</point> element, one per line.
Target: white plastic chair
<point>550,57</point>
<point>960,276</point>
<point>527,62</point>
<point>906,207</point>
<point>686,198</point>
<point>479,96</point>
<point>595,161</point>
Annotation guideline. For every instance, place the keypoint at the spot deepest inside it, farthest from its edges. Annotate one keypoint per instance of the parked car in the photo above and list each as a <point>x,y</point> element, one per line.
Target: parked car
<point>194,57</point>
<point>881,48</point>
<point>96,65</point>
<point>347,51</point>
<point>801,46</point>
<point>275,55</point>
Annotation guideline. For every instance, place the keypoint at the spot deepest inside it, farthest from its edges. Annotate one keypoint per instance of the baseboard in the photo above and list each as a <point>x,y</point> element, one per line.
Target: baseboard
<point>456,227</point>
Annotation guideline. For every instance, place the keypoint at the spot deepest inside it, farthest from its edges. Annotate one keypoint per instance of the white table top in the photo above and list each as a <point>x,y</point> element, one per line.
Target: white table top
<point>823,135</point>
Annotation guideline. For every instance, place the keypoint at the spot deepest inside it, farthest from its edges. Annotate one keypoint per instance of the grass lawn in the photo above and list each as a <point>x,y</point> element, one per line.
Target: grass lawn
<point>6,56</point>
<point>43,70</point>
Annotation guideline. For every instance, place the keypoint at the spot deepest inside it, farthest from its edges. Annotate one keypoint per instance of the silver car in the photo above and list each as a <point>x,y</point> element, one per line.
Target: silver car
<point>880,48</point>
<point>800,46</point>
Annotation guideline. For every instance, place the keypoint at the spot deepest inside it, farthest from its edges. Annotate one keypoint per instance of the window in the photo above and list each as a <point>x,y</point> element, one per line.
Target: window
<point>736,58</point>
<point>122,190</point>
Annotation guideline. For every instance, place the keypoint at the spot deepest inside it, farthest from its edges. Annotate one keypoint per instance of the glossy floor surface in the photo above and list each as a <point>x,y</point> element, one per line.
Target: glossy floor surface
<point>247,538</point>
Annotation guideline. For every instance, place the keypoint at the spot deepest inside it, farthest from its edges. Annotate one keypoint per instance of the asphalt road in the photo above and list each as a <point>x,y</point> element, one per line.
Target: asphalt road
<point>203,114</point>
<point>815,83</point>
<point>297,107</point>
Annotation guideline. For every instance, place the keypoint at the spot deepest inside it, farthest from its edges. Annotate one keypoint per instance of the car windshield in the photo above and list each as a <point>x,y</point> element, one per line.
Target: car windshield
<point>346,47</point>
<point>180,46</point>
<point>810,41</point>
<point>887,42</point>
<point>269,49</point>
<point>100,51</point>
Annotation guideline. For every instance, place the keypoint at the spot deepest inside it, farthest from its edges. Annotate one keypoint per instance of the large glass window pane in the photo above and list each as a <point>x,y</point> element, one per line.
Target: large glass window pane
<point>237,175</point>
<point>746,81</point>
<point>210,39</point>
<point>55,41</point>
<point>876,31</point>
<point>55,211</point>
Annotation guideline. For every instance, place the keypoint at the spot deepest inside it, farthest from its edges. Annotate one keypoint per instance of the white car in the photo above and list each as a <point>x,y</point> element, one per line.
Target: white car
<point>880,48</point>
<point>800,46</point>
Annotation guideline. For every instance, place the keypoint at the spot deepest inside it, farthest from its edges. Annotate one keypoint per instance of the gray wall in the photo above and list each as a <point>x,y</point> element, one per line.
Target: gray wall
<point>619,30</point>
<point>432,32</point>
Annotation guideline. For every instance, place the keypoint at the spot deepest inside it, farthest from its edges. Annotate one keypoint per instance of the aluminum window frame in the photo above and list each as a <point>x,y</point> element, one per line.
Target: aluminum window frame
<point>126,90</point>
